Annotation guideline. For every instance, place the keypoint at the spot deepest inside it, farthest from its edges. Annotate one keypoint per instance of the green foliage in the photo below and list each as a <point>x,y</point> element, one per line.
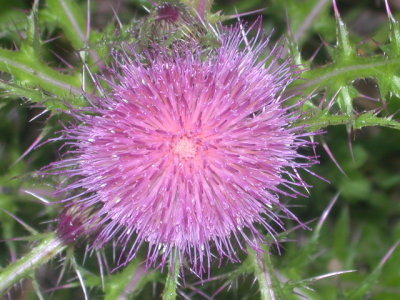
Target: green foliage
<point>347,253</point>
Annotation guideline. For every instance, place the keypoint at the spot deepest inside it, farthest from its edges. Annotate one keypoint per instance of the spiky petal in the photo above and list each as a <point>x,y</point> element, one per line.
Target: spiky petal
<point>190,151</point>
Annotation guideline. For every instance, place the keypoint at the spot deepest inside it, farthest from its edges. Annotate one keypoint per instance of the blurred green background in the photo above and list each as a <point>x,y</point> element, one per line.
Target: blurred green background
<point>362,226</point>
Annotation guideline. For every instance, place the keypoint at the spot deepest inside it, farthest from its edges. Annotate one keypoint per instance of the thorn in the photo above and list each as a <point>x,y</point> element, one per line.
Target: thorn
<point>65,286</point>
<point>388,254</point>
<point>389,12</point>
<point>146,9</point>
<point>326,212</point>
<point>36,287</point>
<point>330,104</point>
<point>300,180</point>
<point>32,146</point>
<point>329,152</point>
<point>369,98</point>
<point>350,134</point>
<point>107,267</point>
<point>321,106</point>
<point>100,262</point>
<point>69,66</point>
<point>51,39</point>
<point>80,278</point>
<point>315,52</point>
<point>335,9</point>
<point>329,275</point>
<point>39,115</point>
<point>116,17</point>
<point>61,275</point>
<point>202,8</point>
<point>237,15</point>
<point>43,200</point>
<point>343,43</point>
<point>86,254</point>
<point>324,43</point>
<point>243,32</point>
<point>25,225</point>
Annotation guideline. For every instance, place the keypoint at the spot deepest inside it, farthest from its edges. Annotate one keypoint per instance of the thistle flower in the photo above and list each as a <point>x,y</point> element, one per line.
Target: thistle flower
<point>189,151</point>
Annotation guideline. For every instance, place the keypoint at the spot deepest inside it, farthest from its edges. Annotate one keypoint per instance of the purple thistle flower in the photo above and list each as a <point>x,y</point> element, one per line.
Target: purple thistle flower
<point>190,151</point>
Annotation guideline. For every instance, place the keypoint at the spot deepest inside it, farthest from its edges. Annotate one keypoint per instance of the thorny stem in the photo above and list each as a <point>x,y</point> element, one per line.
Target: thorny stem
<point>261,270</point>
<point>172,278</point>
<point>42,253</point>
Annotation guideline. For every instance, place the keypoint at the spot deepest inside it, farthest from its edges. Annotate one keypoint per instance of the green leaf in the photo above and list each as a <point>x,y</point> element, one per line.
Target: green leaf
<point>70,17</point>
<point>30,93</point>
<point>324,119</point>
<point>33,34</point>
<point>28,70</point>
<point>393,49</point>
<point>345,49</point>
<point>359,67</point>
<point>310,16</point>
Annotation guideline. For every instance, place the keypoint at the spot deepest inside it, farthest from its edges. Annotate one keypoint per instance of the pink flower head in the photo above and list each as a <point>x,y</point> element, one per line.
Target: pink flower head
<point>190,151</point>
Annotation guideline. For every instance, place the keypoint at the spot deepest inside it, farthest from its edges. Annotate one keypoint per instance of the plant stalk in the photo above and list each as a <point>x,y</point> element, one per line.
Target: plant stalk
<point>172,278</point>
<point>261,271</point>
<point>25,266</point>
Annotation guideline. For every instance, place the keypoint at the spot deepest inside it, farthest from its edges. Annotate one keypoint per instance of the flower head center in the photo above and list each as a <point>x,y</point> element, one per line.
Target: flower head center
<point>185,148</point>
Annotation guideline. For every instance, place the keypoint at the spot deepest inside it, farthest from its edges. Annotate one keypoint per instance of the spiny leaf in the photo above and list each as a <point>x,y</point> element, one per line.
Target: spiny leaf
<point>33,34</point>
<point>28,70</point>
<point>307,17</point>
<point>393,49</point>
<point>32,94</point>
<point>344,47</point>
<point>370,119</point>
<point>345,98</point>
<point>359,67</point>
<point>70,17</point>
<point>325,119</point>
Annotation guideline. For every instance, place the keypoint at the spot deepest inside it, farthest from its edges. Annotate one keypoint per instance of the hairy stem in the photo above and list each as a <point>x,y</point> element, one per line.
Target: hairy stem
<point>172,279</point>
<point>262,266</point>
<point>28,68</point>
<point>42,253</point>
<point>360,67</point>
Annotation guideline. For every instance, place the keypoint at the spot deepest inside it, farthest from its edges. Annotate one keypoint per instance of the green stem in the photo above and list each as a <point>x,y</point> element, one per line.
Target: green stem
<point>25,266</point>
<point>356,121</point>
<point>27,67</point>
<point>262,268</point>
<point>361,67</point>
<point>172,278</point>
